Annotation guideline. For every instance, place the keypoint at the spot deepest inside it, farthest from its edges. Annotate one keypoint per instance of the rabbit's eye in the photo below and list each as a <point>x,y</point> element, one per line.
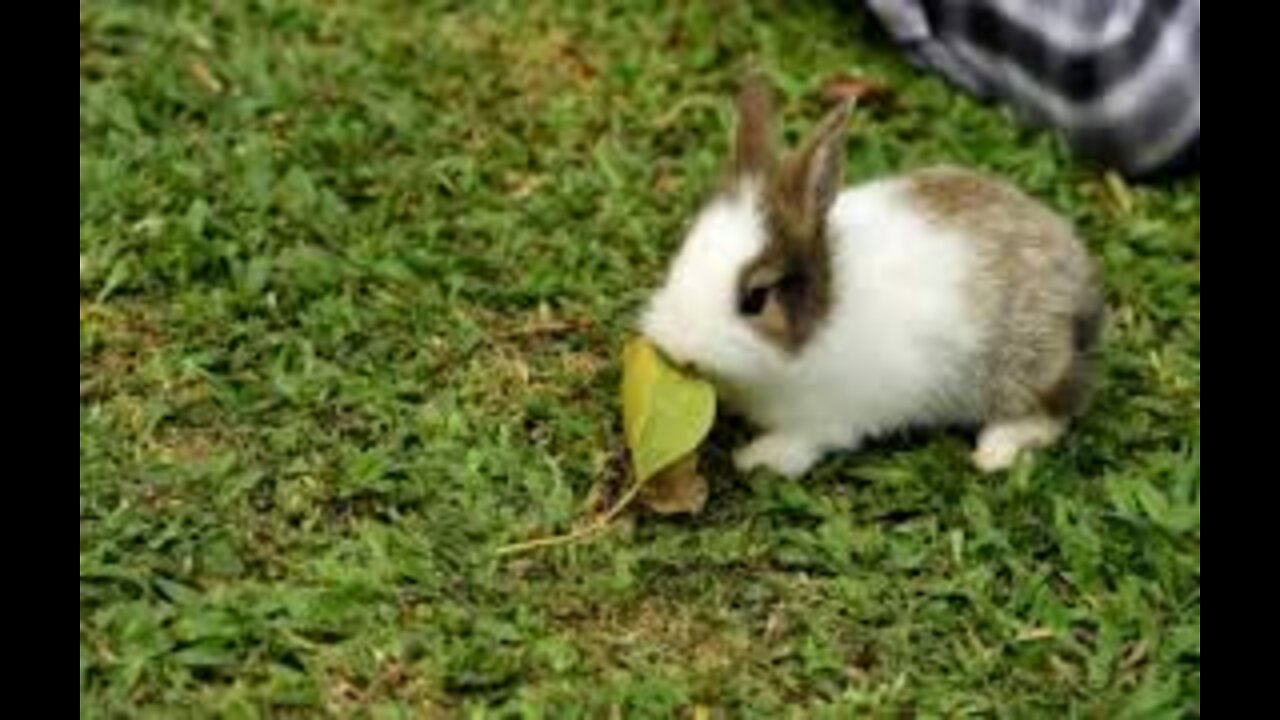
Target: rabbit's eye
<point>753,301</point>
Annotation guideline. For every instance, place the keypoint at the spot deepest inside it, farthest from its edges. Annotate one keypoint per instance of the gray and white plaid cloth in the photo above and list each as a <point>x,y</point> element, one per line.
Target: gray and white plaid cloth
<point>1121,78</point>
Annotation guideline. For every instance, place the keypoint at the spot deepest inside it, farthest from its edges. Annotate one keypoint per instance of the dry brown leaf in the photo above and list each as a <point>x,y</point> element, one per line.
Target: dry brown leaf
<point>679,490</point>
<point>845,88</point>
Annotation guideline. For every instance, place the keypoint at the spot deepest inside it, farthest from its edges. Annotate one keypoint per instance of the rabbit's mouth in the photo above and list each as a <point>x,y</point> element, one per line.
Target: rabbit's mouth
<point>692,367</point>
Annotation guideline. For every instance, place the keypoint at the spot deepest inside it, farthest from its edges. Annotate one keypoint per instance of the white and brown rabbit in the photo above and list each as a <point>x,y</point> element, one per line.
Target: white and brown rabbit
<point>829,315</point>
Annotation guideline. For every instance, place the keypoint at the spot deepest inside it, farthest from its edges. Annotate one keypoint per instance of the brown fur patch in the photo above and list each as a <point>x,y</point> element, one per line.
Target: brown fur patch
<point>798,273</point>
<point>1071,395</point>
<point>1035,290</point>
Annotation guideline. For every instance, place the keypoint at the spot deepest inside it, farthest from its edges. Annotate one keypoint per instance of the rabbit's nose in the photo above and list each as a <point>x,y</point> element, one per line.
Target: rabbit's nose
<point>696,370</point>
<point>689,367</point>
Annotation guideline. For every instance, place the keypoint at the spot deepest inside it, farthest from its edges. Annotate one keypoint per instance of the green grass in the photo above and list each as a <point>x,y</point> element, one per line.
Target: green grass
<point>354,280</point>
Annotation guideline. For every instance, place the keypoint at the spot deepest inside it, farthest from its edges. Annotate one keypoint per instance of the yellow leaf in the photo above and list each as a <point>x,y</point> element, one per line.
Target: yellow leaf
<point>667,413</point>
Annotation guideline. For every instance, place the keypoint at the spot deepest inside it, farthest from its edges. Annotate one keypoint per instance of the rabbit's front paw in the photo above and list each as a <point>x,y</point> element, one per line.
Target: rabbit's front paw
<point>784,454</point>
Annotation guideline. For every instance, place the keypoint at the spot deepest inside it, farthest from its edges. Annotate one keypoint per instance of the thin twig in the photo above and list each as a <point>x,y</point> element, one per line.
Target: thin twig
<point>599,526</point>
<point>558,541</point>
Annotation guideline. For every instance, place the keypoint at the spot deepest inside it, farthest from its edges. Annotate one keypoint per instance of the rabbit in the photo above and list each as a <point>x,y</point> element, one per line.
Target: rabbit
<point>828,316</point>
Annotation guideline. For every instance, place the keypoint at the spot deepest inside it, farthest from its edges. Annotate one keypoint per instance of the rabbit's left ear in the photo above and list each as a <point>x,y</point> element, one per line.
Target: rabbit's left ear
<point>809,181</point>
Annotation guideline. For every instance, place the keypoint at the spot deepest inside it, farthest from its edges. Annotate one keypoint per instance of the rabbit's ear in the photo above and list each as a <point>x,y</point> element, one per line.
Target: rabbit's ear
<point>754,146</point>
<point>809,181</point>
<point>786,293</point>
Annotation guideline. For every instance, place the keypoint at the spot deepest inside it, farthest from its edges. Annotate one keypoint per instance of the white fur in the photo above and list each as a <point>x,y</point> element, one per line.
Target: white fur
<point>693,317</point>
<point>898,349</point>
<point>1000,446</point>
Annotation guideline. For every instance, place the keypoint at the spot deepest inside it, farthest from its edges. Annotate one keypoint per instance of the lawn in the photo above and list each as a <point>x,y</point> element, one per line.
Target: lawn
<point>355,276</point>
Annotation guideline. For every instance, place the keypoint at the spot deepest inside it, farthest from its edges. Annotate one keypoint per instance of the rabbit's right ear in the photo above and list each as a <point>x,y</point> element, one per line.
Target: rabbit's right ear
<point>754,147</point>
